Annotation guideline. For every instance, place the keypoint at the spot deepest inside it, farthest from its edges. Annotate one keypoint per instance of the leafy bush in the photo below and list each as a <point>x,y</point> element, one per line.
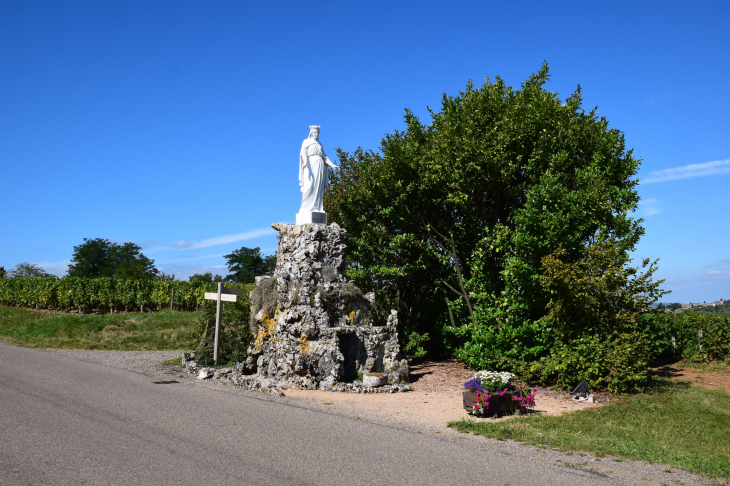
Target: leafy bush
<point>503,228</point>
<point>414,346</point>
<point>235,334</point>
<point>594,327</point>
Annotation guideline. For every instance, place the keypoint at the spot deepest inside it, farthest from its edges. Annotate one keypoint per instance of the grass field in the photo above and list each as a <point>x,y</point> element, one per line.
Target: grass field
<point>127,332</point>
<point>677,424</point>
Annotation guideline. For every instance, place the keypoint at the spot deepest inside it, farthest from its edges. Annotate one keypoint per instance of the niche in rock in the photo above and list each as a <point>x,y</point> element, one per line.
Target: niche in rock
<point>349,347</point>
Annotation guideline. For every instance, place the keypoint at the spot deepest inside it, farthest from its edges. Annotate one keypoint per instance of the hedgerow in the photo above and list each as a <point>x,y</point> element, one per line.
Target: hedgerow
<point>107,294</point>
<point>692,336</point>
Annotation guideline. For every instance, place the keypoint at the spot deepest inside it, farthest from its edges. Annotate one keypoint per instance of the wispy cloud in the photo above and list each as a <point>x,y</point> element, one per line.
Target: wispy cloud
<point>147,244</point>
<point>59,269</point>
<point>217,240</point>
<point>190,257</point>
<point>222,240</point>
<point>719,272</point>
<point>650,207</point>
<point>689,171</point>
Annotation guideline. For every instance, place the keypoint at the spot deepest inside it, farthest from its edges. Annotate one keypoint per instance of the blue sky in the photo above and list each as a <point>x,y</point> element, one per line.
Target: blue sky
<point>177,124</point>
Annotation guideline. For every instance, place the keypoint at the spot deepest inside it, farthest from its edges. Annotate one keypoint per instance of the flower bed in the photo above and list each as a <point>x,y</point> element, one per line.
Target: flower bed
<point>490,393</point>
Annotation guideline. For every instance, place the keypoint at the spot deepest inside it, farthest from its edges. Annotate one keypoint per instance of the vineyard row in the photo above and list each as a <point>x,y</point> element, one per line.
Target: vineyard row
<point>109,294</point>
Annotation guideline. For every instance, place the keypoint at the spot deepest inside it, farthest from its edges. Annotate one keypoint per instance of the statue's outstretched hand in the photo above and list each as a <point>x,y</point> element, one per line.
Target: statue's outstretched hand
<point>332,164</point>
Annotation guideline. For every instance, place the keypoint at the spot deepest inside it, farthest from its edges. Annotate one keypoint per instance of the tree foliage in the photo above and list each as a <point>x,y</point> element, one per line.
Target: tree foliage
<point>245,264</point>
<point>100,257</point>
<point>205,277</point>
<point>452,223</point>
<point>26,269</point>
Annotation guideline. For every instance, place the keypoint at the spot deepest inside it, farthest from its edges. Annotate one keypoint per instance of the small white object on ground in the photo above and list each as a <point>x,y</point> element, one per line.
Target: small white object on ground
<point>205,373</point>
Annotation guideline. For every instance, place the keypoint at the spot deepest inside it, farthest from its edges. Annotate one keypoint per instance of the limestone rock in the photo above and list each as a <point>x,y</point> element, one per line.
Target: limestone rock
<point>314,328</point>
<point>205,373</point>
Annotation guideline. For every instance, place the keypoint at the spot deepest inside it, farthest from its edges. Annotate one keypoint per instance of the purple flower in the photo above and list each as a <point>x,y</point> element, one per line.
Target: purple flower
<point>474,385</point>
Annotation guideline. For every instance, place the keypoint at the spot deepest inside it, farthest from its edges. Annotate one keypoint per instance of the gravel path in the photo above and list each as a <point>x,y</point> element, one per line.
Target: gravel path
<point>434,401</point>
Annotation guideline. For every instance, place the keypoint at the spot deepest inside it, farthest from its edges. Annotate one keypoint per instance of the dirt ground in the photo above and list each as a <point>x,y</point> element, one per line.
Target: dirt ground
<point>712,377</point>
<point>436,398</point>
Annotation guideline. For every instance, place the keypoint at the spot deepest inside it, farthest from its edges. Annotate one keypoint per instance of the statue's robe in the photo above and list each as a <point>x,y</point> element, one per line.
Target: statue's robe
<point>312,175</point>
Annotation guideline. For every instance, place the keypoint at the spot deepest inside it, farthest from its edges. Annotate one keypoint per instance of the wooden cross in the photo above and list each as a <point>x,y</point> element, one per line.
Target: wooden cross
<point>223,294</point>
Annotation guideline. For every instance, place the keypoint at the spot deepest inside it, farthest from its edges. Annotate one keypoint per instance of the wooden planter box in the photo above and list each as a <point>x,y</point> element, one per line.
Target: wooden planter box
<point>505,403</point>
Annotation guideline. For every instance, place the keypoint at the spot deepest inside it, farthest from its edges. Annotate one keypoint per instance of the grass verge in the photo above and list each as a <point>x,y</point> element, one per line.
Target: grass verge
<point>157,331</point>
<point>677,424</point>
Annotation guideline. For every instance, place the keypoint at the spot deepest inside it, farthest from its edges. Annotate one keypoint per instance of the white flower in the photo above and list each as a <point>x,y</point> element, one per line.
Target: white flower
<point>496,377</point>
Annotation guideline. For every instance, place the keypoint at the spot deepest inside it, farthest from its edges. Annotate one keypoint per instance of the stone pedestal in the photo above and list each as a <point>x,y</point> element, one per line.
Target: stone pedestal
<point>312,217</point>
<point>313,328</point>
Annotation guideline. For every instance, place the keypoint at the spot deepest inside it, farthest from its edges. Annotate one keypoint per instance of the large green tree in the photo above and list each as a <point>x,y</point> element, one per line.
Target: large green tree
<point>245,264</point>
<point>100,257</point>
<point>456,216</point>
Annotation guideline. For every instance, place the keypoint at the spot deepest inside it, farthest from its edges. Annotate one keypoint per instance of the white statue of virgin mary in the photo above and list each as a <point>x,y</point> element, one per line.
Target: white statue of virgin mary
<point>313,179</point>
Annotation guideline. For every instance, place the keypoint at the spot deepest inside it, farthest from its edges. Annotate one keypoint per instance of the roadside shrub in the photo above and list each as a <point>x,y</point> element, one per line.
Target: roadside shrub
<point>235,335</point>
<point>593,328</point>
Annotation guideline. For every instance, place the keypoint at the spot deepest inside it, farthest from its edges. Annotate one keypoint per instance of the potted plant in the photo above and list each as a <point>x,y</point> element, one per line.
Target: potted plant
<point>491,392</point>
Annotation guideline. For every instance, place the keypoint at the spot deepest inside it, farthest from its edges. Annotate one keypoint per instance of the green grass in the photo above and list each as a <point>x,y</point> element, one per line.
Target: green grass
<point>127,332</point>
<point>679,425</point>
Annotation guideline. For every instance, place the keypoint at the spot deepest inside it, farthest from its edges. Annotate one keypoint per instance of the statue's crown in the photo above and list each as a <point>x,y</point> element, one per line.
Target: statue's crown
<point>311,127</point>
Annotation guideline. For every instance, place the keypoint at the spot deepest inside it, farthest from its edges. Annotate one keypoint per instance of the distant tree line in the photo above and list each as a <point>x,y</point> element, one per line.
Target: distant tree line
<point>100,257</point>
<point>662,306</point>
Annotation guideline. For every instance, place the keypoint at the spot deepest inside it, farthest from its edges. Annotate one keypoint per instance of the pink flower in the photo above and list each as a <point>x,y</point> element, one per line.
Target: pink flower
<point>476,407</point>
<point>478,392</point>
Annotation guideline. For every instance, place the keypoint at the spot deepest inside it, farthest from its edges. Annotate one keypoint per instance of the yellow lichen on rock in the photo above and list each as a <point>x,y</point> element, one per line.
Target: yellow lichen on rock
<point>267,331</point>
<point>303,344</point>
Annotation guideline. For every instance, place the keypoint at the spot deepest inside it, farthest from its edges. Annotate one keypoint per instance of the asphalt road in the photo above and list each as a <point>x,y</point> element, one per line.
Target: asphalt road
<point>67,421</point>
